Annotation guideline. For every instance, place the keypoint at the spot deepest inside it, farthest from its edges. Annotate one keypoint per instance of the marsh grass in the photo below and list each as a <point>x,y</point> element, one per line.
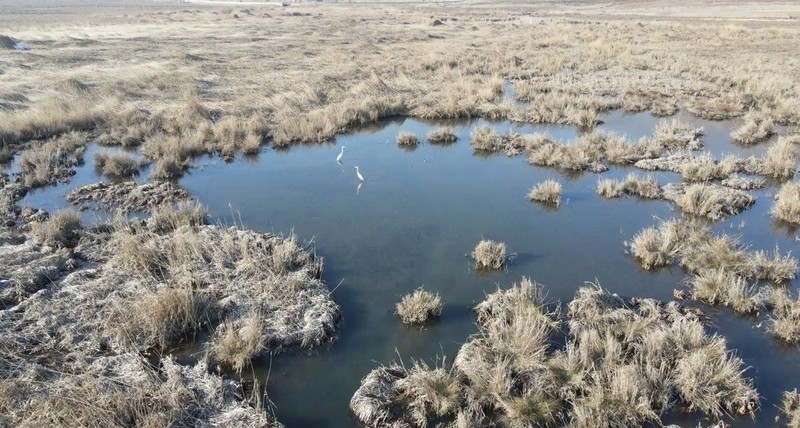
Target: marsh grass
<point>721,287</point>
<point>622,363</point>
<point>165,318</point>
<point>787,203</point>
<point>236,343</point>
<point>756,128</point>
<point>61,230</point>
<point>779,161</point>
<point>419,306</point>
<point>407,139</point>
<point>51,161</point>
<point>708,200</point>
<point>776,267</point>
<point>116,165</point>
<point>546,192</point>
<point>790,407</point>
<point>784,318</point>
<point>489,254</point>
<point>643,187</point>
<point>442,135</point>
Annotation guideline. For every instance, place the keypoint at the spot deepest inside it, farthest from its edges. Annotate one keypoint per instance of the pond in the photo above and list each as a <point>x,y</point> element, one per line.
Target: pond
<point>413,221</point>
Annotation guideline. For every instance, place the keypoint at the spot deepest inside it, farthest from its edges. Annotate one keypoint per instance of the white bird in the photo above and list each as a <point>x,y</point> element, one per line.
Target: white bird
<point>358,174</point>
<point>339,158</point>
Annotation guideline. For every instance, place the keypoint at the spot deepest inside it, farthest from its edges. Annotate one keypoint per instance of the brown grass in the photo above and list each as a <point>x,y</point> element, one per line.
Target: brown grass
<point>790,407</point>
<point>62,229</point>
<point>643,187</point>
<point>419,306</point>
<point>407,139</point>
<point>756,128</point>
<point>546,192</point>
<point>623,363</point>
<point>784,319</point>
<point>787,203</point>
<point>236,343</point>
<point>489,254</point>
<point>51,161</point>
<point>708,200</point>
<point>442,135</point>
<point>116,165</point>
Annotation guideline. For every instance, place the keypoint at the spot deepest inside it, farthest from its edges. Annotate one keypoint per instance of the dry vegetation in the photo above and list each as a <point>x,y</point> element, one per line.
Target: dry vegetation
<point>442,135</point>
<point>787,203</point>
<point>623,363</point>
<point>708,200</point>
<point>546,192</point>
<point>116,165</point>
<point>643,187</point>
<point>407,139</point>
<point>790,406</point>
<point>489,254</point>
<point>136,287</point>
<point>419,306</point>
<point>756,128</point>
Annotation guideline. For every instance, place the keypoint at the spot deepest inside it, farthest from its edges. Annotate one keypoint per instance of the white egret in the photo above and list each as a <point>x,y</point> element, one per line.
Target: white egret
<point>358,174</point>
<point>341,155</point>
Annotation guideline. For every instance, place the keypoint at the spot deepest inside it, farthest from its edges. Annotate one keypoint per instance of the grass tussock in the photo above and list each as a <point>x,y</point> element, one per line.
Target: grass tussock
<point>633,185</point>
<point>708,200</point>
<point>407,139</point>
<point>116,165</point>
<point>719,287</point>
<point>51,161</point>
<point>784,319</point>
<point>673,135</point>
<point>165,318</point>
<point>779,161</point>
<point>489,254</point>
<point>419,306</point>
<point>756,128</point>
<point>659,246</point>
<point>790,407</point>
<point>546,192</point>
<point>775,267</point>
<point>442,135</point>
<point>61,230</point>
<point>235,344</point>
<point>623,363</point>
<point>787,203</point>
<point>704,168</point>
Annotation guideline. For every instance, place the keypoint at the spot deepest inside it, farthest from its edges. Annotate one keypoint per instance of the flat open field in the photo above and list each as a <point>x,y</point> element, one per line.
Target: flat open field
<point>400,214</point>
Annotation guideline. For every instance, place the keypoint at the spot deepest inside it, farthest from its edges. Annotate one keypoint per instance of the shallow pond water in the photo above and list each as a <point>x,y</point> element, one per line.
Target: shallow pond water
<point>414,219</point>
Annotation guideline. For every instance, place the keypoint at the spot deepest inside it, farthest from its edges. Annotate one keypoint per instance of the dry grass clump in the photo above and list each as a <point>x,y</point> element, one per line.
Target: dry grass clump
<point>54,115</point>
<point>784,319</point>
<point>728,289</point>
<point>708,200</point>
<point>776,268</point>
<point>442,135</point>
<point>787,203</point>
<point>623,363</point>
<point>643,187</point>
<point>51,161</point>
<point>790,407</point>
<point>236,343</point>
<point>167,169</point>
<point>780,160</point>
<point>165,318</point>
<point>419,306</point>
<point>169,218</point>
<point>407,139</point>
<point>62,229</point>
<point>484,139</point>
<point>756,128</point>
<point>698,250</point>
<point>671,135</point>
<point>489,254</point>
<point>704,168</point>
<point>659,246</point>
<point>546,192</point>
<point>116,165</point>
<point>716,108</point>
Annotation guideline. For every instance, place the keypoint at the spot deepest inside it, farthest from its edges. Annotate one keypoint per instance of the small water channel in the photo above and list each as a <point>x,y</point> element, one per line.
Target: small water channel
<point>412,222</point>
